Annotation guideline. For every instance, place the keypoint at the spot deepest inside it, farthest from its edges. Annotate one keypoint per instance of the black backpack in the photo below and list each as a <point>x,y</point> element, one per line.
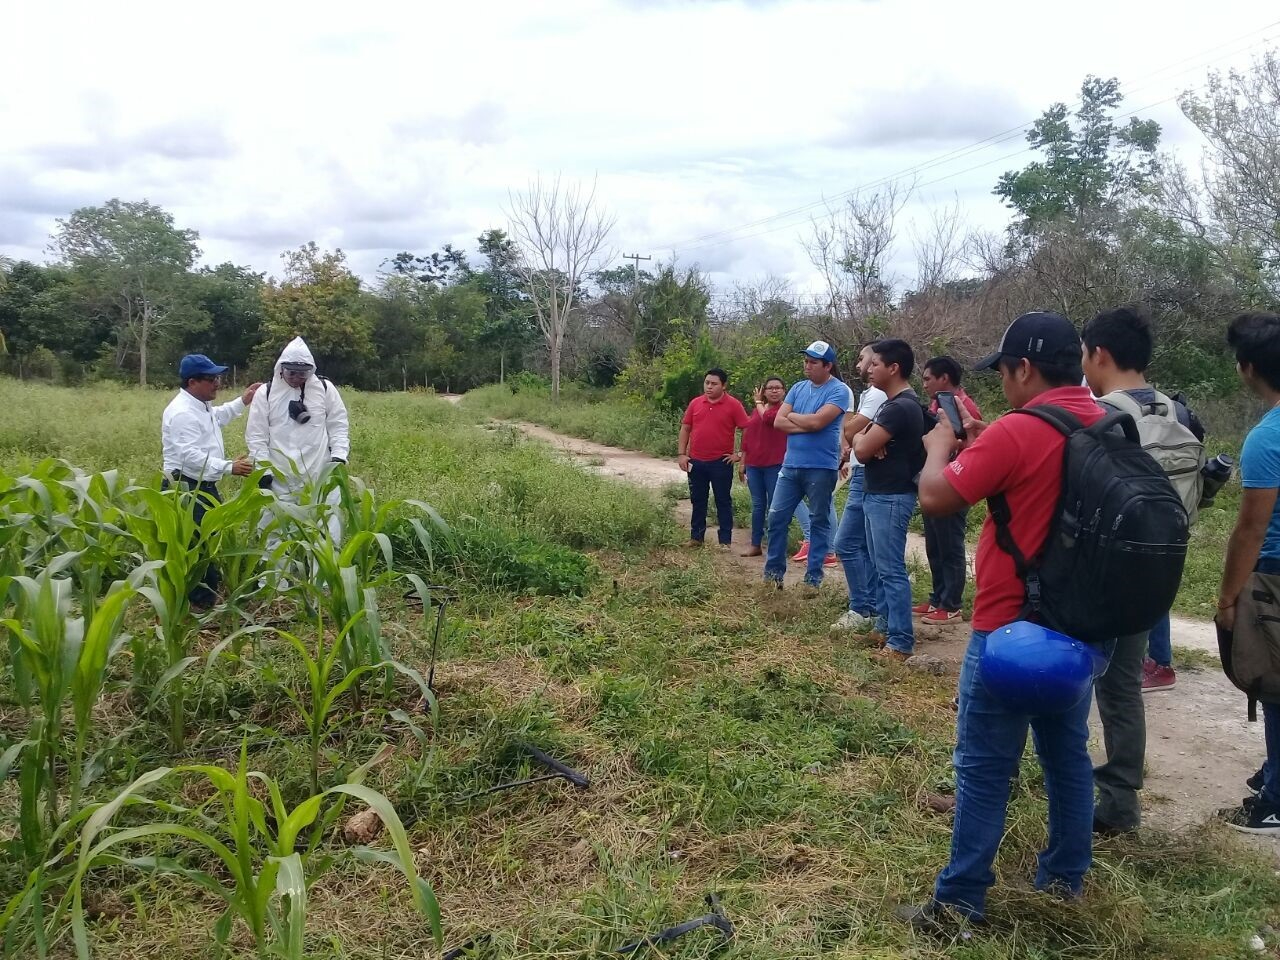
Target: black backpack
<point>1117,543</point>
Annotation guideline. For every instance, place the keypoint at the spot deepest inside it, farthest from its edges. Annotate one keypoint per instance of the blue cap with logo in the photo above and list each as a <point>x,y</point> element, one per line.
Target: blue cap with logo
<point>198,365</point>
<point>821,350</point>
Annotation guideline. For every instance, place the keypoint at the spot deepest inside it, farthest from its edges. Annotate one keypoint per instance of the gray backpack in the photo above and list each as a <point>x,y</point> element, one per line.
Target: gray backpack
<point>1169,442</point>
<point>1251,653</point>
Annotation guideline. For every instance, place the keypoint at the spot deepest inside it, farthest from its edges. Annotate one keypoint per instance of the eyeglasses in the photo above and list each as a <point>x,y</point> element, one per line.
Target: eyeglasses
<point>209,378</point>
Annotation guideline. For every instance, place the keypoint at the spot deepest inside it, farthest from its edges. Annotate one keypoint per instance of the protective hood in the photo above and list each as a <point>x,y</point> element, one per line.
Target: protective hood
<point>295,351</point>
<point>297,451</point>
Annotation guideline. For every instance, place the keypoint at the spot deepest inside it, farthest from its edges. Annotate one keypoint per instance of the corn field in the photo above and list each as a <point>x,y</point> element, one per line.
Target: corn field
<point>95,578</point>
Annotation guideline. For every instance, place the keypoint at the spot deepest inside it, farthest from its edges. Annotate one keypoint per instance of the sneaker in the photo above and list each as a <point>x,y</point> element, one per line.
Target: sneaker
<point>938,615</point>
<point>920,609</point>
<point>1255,818</point>
<point>752,552</point>
<point>1255,782</point>
<point>802,554</point>
<point>831,560</point>
<point>1158,678</point>
<point>854,622</point>
<point>936,919</point>
<point>693,544</point>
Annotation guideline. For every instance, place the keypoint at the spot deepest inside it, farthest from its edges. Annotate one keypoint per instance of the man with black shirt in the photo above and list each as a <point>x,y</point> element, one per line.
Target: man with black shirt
<point>893,451</point>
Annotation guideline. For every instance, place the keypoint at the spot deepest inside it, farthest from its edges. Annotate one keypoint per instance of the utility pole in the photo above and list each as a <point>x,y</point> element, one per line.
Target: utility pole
<point>635,266</point>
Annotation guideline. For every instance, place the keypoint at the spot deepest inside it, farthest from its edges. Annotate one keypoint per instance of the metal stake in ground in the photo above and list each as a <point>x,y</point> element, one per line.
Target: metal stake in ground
<point>559,771</point>
<point>715,918</point>
<point>437,596</point>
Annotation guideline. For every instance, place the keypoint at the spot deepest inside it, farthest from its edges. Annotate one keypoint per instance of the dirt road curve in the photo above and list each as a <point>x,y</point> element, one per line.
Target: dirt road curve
<point>1200,746</point>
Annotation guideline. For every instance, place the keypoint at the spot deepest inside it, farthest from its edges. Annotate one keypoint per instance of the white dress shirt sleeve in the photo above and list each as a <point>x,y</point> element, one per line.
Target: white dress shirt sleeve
<point>226,412</point>
<point>189,437</point>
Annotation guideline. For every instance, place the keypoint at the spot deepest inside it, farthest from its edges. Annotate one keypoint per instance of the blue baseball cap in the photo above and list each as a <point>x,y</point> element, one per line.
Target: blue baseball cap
<point>198,365</point>
<point>821,350</point>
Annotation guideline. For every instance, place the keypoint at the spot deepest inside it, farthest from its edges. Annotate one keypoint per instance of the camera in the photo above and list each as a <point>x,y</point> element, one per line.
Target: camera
<point>298,411</point>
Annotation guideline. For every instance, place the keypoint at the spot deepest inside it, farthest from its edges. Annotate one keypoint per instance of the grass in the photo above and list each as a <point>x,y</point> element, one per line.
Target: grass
<point>590,415</point>
<point>731,744</point>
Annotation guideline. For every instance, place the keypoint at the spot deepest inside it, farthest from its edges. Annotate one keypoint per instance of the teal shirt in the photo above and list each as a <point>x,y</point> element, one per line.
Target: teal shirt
<point>1260,469</point>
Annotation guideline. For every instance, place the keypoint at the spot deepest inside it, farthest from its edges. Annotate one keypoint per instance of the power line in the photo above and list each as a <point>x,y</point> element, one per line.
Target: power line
<point>713,238</point>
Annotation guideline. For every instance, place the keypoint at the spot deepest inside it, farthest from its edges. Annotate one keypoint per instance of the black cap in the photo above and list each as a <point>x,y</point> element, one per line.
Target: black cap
<point>1040,336</point>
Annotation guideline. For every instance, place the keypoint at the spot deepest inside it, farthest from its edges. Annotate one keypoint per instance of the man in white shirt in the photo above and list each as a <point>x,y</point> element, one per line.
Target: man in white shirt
<point>191,439</point>
<point>851,539</point>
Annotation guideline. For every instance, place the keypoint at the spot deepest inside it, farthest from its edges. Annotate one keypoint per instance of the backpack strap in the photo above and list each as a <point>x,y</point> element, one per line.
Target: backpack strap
<point>1122,401</point>
<point>1066,424</point>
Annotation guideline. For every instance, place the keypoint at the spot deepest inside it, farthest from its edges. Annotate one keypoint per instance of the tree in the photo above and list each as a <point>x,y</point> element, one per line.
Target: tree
<point>557,234</point>
<point>1092,170</point>
<point>134,256</point>
<point>852,248</point>
<point>446,265</point>
<point>509,319</point>
<point>232,298</point>
<point>672,303</point>
<point>320,301</point>
<point>1235,206</point>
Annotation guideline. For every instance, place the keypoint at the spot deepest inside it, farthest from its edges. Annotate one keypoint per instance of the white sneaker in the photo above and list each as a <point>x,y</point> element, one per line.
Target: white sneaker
<point>853,622</point>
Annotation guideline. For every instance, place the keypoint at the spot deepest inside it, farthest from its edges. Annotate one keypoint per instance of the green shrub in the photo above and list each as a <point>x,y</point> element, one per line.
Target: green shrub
<point>498,559</point>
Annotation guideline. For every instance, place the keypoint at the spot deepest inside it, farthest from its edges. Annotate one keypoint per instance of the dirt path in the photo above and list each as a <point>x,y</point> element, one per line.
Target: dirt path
<point>1200,747</point>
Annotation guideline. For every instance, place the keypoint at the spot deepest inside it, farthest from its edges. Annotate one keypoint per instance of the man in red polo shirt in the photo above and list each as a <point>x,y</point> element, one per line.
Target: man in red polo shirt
<point>706,453</point>
<point>1021,457</point>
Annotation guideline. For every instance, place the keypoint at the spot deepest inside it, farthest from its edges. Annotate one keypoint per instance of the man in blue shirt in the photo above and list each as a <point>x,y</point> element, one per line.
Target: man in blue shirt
<point>811,416</point>
<point>1255,542</point>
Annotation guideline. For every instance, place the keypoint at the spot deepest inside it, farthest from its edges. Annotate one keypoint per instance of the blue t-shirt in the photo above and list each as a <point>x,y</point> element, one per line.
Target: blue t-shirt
<point>1260,469</point>
<point>821,448</point>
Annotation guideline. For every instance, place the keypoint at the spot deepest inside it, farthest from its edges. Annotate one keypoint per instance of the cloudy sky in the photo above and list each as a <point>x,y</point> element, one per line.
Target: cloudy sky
<point>387,127</point>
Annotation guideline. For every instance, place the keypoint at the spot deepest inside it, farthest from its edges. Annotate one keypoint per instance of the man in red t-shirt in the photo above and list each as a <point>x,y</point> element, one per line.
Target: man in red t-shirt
<point>706,453</point>
<point>1020,457</point>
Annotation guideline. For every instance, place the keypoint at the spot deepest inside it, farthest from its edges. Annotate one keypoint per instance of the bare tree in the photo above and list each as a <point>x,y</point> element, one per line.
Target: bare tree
<point>1235,207</point>
<point>939,246</point>
<point>852,247</point>
<point>558,234</point>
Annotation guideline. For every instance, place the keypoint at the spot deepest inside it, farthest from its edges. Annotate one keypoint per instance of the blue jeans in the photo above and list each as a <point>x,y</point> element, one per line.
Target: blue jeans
<point>761,481</point>
<point>795,483</point>
<point>887,516</point>
<point>802,518</point>
<point>989,744</point>
<point>717,475</point>
<point>1160,644</point>
<point>851,548</point>
<point>1271,769</point>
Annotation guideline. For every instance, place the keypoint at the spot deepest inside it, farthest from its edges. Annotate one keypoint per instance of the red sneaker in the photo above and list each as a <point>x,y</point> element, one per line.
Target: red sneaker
<point>802,554</point>
<point>1157,677</point>
<point>938,615</point>
<point>920,609</point>
<point>831,560</point>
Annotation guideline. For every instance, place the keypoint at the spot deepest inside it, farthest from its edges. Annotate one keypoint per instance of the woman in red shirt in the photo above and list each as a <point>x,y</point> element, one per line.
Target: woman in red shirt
<point>763,448</point>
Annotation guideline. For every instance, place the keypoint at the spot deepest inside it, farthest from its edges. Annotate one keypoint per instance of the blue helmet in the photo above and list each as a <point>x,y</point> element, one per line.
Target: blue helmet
<point>1035,670</point>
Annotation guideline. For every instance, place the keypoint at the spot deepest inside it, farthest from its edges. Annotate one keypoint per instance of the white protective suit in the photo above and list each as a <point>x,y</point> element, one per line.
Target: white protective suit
<point>298,452</point>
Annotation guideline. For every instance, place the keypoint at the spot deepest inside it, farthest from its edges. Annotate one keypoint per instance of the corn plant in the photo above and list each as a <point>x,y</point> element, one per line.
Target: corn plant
<point>326,684</point>
<point>264,866</point>
<point>178,551</point>
<point>59,661</point>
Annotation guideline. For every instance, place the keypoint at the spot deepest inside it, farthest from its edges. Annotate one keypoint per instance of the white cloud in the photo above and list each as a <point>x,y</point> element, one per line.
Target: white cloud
<point>381,128</point>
